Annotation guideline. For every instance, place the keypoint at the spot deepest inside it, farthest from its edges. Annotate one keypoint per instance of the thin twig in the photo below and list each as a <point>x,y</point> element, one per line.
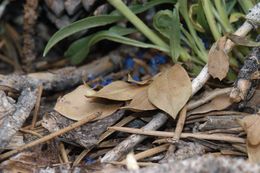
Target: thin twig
<point>63,152</point>
<point>204,75</point>
<point>102,137</point>
<point>120,123</point>
<point>129,143</point>
<point>81,156</point>
<point>150,152</point>
<point>37,106</point>
<point>31,132</point>
<point>209,96</point>
<point>180,124</point>
<point>217,137</point>
<point>49,137</point>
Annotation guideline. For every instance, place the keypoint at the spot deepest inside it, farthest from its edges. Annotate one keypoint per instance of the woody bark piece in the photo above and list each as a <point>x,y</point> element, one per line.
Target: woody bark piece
<point>67,77</point>
<point>220,122</point>
<point>12,122</point>
<point>128,144</point>
<point>86,135</point>
<point>248,76</point>
<point>30,19</point>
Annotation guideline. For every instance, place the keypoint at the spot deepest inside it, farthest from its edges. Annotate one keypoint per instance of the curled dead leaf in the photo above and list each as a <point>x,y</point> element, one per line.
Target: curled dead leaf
<point>75,105</point>
<point>218,61</point>
<point>171,90</point>
<point>119,91</point>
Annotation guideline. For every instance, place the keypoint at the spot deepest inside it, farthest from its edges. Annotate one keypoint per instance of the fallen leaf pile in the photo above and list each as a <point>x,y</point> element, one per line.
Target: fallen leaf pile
<point>168,91</point>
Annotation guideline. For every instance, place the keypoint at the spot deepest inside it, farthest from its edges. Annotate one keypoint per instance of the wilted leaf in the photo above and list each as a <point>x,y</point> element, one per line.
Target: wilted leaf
<point>118,90</point>
<point>234,17</point>
<point>140,102</point>
<point>75,105</point>
<point>251,125</point>
<point>218,103</point>
<point>218,62</point>
<point>243,41</point>
<point>171,90</point>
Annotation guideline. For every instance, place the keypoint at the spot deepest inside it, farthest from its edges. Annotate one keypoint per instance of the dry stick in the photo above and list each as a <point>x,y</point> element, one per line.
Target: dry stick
<point>216,113</point>
<point>216,137</point>
<point>16,116</point>
<point>207,97</point>
<point>81,156</point>
<point>150,152</point>
<point>125,146</point>
<point>31,132</point>
<point>102,137</point>
<point>180,124</point>
<point>37,106</point>
<point>64,155</point>
<point>123,122</point>
<point>66,77</point>
<point>49,137</point>
<point>204,75</point>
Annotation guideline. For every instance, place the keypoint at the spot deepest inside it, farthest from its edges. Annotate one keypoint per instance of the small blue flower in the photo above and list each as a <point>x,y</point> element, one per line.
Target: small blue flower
<point>129,63</point>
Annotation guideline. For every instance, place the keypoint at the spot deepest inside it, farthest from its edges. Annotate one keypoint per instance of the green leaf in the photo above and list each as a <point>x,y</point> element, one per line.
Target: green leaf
<point>80,48</point>
<point>167,23</point>
<point>95,21</point>
<point>80,25</point>
<point>139,8</point>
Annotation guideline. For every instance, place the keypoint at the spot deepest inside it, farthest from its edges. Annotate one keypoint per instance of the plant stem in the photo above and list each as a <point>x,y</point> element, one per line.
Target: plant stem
<point>223,15</point>
<point>199,43</point>
<point>121,7</point>
<point>246,5</point>
<point>208,8</point>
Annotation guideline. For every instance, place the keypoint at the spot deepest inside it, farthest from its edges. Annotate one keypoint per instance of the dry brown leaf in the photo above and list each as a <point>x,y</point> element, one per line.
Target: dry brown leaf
<point>251,125</point>
<point>75,105</point>
<point>171,90</point>
<point>218,103</point>
<point>118,90</point>
<point>218,62</point>
<point>140,102</point>
<point>144,82</point>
